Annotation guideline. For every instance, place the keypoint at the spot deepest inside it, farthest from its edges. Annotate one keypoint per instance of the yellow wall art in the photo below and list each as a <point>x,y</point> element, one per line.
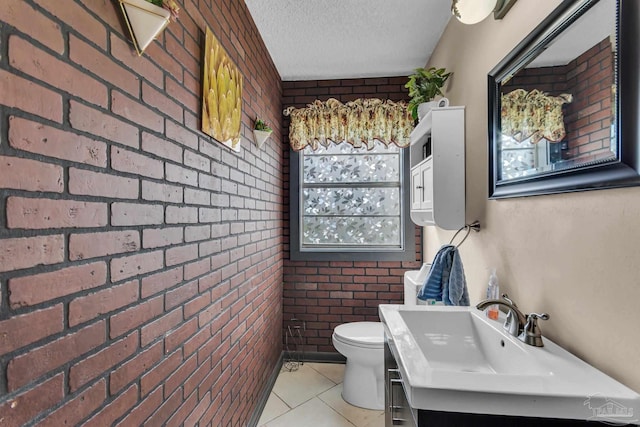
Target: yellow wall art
<point>221,95</point>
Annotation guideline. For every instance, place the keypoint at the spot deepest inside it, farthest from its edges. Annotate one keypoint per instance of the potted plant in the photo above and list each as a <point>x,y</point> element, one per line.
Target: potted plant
<point>261,132</point>
<point>424,85</point>
<point>146,19</point>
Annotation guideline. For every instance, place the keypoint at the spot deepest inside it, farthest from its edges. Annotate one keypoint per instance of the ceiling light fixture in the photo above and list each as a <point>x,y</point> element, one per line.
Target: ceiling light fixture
<point>474,11</point>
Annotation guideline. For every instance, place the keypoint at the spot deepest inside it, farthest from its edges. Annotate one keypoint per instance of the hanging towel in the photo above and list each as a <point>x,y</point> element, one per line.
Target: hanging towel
<point>445,281</point>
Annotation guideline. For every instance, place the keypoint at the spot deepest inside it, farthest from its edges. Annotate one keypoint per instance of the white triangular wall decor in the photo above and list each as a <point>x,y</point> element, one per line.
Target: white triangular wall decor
<point>145,21</point>
<point>260,136</point>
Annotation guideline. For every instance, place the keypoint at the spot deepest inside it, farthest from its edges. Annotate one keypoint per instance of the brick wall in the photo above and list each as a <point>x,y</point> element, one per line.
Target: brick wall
<point>141,262</point>
<point>589,79</point>
<point>323,293</point>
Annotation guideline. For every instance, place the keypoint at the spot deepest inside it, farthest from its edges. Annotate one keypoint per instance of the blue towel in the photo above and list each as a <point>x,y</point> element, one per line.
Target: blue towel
<point>446,281</point>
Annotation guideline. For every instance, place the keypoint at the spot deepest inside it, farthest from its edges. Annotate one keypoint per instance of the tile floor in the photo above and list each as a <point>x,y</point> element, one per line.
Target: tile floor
<point>312,397</point>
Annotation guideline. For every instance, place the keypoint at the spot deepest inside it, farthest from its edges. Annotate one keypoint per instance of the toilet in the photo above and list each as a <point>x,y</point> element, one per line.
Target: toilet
<point>362,343</point>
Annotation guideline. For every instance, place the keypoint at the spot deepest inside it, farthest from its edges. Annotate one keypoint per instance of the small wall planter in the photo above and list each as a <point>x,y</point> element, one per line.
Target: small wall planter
<point>145,21</point>
<point>260,136</point>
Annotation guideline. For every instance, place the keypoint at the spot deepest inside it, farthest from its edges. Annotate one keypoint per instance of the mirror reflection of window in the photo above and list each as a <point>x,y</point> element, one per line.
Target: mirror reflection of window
<point>580,62</point>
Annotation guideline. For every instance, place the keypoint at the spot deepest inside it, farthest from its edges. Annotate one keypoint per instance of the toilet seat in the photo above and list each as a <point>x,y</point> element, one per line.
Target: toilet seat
<point>360,334</point>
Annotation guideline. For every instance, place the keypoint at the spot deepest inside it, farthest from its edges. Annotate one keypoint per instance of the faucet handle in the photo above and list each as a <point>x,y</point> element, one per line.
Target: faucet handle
<point>531,333</point>
<point>511,323</point>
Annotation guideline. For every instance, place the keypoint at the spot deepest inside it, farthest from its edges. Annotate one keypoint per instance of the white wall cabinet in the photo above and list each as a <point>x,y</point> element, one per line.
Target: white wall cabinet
<point>438,180</point>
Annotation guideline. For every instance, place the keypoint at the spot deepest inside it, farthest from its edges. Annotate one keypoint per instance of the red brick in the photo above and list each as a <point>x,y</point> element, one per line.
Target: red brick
<point>30,290</point>
<point>197,413</point>
<point>115,409</point>
<point>181,175</point>
<point>57,73</point>
<point>139,64</point>
<point>181,135</point>
<point>154,98</point>
<point>29,96</point>
<point>194,343</point>
<point>183,411</point>
<point>141,412</point>
<point>78,408</point>
<point>83,246</point>
<point>40,139</point>
<point>26,19</point>
<point>100,124</point>
<point>103,66</point>
<point>158,282</point>
<point>161,192</point>
<point>85,308</point>
<point>126,107</point>
<point>168,407</point>
<point>183,96</point>
<point>160,326</point>
<point>134,368</point>
<point>180,375</point>
<point>181,294</point>
<point>30,175</point>
<point>161,147</point>
<point>133,317</point>
<point>17,411</point>
<point>123,268</point>
<point>181,254</point>
<point>93,366</point>
<point>83,22</point>
<point>160,372</point>
<point>19,331</point>
<point>89,183</point>
<point>128,161</point>
<point>164,60</point>
<point>25,252</point>
<point>157,237</point>
<point>46,213</point>
<point>181,214</point>
<point>41,360</point>
<point>136,214</point>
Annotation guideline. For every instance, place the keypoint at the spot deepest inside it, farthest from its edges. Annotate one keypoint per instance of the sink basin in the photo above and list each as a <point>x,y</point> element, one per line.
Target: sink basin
<point>456,359</point>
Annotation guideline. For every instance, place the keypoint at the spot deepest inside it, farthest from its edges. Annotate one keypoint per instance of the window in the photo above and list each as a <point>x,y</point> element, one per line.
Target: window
<point>350,204</point>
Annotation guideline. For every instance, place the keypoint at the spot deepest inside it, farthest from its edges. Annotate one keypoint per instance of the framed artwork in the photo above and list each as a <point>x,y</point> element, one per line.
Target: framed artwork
<point>221,94</point>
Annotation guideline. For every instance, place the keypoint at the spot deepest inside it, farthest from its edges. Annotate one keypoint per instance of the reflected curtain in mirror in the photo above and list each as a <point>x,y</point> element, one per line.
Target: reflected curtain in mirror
<point>360,123</point>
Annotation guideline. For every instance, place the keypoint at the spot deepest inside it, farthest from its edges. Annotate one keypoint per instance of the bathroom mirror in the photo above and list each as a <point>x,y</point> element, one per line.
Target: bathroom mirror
<point>564,104</point>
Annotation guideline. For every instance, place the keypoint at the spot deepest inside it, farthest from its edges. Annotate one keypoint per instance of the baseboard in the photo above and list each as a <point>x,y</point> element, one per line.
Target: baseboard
<point>320,357</point>
<point>264,395</point>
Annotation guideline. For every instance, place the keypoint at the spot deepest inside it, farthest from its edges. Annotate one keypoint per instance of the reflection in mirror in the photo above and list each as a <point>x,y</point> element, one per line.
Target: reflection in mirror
<point>564,105</point>
<point>558,111</point>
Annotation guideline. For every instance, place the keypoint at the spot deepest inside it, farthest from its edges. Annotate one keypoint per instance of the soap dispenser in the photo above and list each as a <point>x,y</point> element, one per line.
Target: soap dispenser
<point>493,292</point>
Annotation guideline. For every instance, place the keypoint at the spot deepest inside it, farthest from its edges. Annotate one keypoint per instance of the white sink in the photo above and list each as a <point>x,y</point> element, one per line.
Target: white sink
<point>456,359</point>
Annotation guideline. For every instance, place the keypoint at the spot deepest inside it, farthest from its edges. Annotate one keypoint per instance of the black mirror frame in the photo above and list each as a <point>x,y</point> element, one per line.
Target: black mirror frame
<point>621,172</point>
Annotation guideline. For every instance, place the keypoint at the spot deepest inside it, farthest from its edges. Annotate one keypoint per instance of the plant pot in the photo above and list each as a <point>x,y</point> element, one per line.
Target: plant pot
<point>144,20</point>
<point>260,136</point>
<point>425,107</point>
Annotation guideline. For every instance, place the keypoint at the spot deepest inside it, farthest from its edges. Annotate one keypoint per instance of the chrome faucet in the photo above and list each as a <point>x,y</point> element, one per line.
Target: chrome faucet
<point>525,328</point>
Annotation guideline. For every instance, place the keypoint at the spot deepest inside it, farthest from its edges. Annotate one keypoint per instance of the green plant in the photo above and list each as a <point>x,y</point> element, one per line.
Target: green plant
<point>261,125</point>
<point>424,85</point>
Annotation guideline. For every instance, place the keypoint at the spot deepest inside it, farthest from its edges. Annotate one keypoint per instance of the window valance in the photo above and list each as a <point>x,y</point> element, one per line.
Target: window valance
<point>358,122</point>
<point>534,115</point>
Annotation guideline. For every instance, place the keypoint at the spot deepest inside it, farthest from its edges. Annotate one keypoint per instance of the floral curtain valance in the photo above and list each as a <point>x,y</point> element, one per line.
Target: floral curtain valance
<point>358,122</point>
<point>533,115</point>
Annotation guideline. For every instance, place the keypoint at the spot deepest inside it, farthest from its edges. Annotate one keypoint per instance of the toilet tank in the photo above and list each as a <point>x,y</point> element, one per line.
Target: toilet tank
<point>413,281</point>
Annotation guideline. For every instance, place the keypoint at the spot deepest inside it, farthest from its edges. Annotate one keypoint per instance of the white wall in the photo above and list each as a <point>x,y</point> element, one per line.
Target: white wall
<point>575,256</point>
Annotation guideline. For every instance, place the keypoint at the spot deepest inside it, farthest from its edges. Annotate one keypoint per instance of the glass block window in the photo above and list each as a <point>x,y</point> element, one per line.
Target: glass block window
<point>351,199</point>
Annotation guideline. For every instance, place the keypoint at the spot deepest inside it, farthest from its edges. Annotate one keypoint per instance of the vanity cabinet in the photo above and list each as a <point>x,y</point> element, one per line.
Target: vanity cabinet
<point>398,410</point>
<point>438,169</point>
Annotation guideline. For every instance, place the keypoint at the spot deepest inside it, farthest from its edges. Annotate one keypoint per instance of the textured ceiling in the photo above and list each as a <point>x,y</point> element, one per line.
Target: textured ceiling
<point>332,39</point>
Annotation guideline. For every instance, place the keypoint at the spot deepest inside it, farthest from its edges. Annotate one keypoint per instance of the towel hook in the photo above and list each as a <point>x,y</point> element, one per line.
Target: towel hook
<point>475,226</point>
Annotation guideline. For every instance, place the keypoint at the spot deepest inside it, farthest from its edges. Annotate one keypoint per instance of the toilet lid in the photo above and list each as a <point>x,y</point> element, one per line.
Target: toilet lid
<point>363,334</point>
